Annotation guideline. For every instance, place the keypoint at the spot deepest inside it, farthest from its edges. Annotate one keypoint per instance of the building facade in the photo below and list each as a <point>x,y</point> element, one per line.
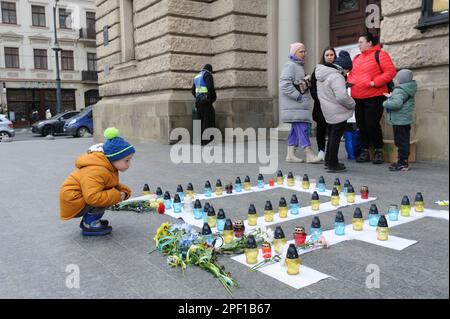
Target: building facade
<point>27,58</point>
<point>149,51</point>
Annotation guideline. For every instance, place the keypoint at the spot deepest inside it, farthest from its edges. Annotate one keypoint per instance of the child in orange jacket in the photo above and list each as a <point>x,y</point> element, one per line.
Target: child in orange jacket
<point>94,185</point>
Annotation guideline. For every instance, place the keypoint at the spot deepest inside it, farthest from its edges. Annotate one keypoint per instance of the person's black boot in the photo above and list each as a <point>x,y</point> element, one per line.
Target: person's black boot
<point>378,156</point>
<point>336,169</point>
<point>364,156</point>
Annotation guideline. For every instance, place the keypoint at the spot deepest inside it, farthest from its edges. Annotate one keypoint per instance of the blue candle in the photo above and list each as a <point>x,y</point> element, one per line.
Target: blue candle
<point>205,211</point>
<point>238,185</point>
<point>321,187</point>
<point>374,216</point>
<point>316,229</point>
<point>167,200</point>
<point>346,185</point>
<point>393,212</point>
<point>180,192</point>
<point>207,190</point>
<point>294,205</point>
<point>221,218</point>
<point>208,235</point>
<point>176,204</point>
<point>339,224</point>
<point>260,181</point>
<point>159,192</point>
<point>198,211</point>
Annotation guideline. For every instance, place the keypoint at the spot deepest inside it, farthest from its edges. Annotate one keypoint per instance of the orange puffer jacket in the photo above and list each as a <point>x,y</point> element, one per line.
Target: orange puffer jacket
<point>95,182</point>
<point>366,69</point>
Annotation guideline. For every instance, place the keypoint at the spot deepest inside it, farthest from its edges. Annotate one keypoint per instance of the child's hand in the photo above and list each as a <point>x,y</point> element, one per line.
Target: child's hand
<point>388,95</point>
<point>122,196</point>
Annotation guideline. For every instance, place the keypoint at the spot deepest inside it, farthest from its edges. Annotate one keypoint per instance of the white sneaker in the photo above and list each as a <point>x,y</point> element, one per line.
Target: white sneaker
<point>321,155</point>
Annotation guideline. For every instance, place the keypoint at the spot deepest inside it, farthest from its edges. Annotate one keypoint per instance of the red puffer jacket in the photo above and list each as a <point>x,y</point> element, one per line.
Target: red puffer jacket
<point>366,69</point>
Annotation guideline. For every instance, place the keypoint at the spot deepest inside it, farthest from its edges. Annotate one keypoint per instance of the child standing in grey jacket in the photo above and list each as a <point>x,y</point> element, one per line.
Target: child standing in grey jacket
<point>400,107</point>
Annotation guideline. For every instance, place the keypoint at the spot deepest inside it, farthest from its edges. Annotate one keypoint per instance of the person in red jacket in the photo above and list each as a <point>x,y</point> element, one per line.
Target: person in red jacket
<point>372,71</point>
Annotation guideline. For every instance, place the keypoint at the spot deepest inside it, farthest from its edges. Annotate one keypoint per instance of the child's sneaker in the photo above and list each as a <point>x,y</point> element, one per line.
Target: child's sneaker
<point>399,167</point>
<point>91,225</point>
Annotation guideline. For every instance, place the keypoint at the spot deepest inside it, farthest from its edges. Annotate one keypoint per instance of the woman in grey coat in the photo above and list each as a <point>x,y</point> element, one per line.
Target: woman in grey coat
<point>337,106</point>
<point>296,104</point>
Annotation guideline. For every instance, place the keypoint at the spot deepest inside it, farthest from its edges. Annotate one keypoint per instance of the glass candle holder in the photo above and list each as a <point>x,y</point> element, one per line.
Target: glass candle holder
<point>247,184</point>
<point>211,220</point>
<point>238,187</point>
<point>337,185</point>
<point>315,203</point>
<point>251,255</point>
<point>228,236</point>
<point>299,236</point>
<point>190,191</point>
<point>239,229</point>
<point>220,224</point>
<point>382,229</point>
<point>373,219</point>
<point>207,191</point>
<point>168,203</point>
<point>292,261</point>
<point>350,194</point>
<point>335,199</point>
<point>282,211</point>
<point>290,180</point>
<point>260,181</point>
<point>278,244</point>
<point>358,224</point>
<point>180,193</point>
<point>266,250</point>
<point>305,182</point>
<point>339,229</point>
<point>219,190</point>
<point>280,178</point>
<point>198,213</point>
<point>346,185</point>
<point>271,183</point>
<point>364,192</point>
<point>418,203</point>
<point>316,229</point>
<point>146,190</point>
<point>393,212</point>
<point>159,193</point>
<point>321,187</point>
<point>177,207</point>
<point>405,207</point>
<point>268,215</point>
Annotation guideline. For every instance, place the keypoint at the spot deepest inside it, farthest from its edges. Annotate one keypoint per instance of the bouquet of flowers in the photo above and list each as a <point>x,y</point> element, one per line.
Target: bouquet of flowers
<point>237,246</point>
<point>183,246</point>
<point>139,205</point>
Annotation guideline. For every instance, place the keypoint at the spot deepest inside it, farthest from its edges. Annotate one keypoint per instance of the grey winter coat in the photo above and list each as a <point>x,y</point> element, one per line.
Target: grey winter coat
<point>337,106</point>
<point>294,107</point>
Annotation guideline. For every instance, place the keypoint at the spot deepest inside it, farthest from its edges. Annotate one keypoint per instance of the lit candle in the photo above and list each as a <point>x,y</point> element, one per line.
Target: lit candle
<point>357,221</point>
<point>205,211</point>
<point>350,194</point>
<point>280,178</point>
<point>393,212</point>
<point>266,250</point>
<point>316,229</point>
<point>252,216</point>
<point>315,203</point>
<point>418,203</point>
<point>180,192</point>
<point>167,200</point>
<point>221,220</point>
<point>346,185</point>
<point>279,240</point>
<point>159,192</point>
<point>337,184</point>
<point>339,224</point>
<point>305,182</point>
<point>374,216</point>
<point>268,212</point>
<point>335,197</point>
<point>260,181</point>
<point>207,189</point>
<point>282,208</point>
<point>176,204</point>
<point>321,187</point>
<point>299,235</point>
<point>364,192</point>
<point>290,180</point>
<point>190,190</point>
<point>251,250</point>
<point>405,207</point>
<point>292,260</point>
<point>238,185</point>
<point>219,188</point>
<point>382,228</point>
<point>247,183</point>
<point>207,234</point>
<point>211,217</point>
<point>146,190</point>
<point>294,205</point>
<point>228,232</point>
<point>239,229</point>
<point>198,211</point>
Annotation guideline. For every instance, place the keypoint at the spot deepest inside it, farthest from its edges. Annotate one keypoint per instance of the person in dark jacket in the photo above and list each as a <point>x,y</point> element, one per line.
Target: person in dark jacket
<point>372,71</point>
<point>205,95</point>
<point>328,56</point>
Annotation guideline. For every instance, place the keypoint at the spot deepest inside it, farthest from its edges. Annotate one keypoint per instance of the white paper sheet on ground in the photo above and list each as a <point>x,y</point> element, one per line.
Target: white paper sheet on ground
<point>393,242</point>
<point>441,214</point>
<point>306,277</point>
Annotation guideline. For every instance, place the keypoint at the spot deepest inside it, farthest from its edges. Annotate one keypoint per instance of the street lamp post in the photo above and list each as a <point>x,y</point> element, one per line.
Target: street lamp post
<point>57,49</point>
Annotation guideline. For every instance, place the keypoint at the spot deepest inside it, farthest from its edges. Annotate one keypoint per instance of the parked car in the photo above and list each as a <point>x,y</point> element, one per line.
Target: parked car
<point>53,125</point>
<point>81,124</point>
<point>6,127</point>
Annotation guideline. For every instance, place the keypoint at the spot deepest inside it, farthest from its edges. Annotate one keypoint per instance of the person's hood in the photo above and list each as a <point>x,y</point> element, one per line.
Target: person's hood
<point>323,71</point>
<point>409,87</point>
<point>94,159</point>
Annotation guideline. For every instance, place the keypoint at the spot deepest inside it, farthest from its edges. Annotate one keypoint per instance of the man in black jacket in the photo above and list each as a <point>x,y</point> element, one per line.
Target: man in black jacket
<point>205,95</point>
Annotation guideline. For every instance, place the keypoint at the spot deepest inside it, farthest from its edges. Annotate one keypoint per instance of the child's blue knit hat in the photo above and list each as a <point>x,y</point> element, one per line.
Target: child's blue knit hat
<point>115,148</point>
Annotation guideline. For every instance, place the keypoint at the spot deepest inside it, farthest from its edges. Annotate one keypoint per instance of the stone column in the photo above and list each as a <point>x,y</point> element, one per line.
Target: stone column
<point>288,32</point>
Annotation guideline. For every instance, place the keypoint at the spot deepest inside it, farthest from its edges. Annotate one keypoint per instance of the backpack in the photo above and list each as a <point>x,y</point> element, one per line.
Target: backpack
<point>390,85</point>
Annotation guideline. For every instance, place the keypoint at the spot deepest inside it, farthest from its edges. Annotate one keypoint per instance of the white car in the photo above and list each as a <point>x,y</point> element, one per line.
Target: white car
<point>6,127</point>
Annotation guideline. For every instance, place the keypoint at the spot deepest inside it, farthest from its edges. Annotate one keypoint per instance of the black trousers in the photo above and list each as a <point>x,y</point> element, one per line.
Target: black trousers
<point>321,129</point>
<point>206,114</point>
<point>368,113</point>
<point>335,132</point>
<point>401,140</point>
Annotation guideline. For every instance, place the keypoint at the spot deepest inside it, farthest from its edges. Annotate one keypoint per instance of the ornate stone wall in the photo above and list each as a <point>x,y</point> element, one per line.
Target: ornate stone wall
<point>427,55</point>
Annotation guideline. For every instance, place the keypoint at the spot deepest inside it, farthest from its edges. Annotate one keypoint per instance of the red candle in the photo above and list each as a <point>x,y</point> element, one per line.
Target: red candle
<point>271,182</point>
<point>299,236</point>
<point>364,192</point>
<point>266,251</point>
<point>239,229</point>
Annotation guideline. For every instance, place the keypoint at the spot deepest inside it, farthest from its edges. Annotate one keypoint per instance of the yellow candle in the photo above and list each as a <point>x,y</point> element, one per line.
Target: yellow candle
<point>338,187</point>
<point>252,219</point>
<point>282,211</point>
<point>190,194</point>
<point>382,233</point>
<point>251,255</point>
<point>247,186</point>
<point>335,200</point>
<point>358,224</point>
<point>291,182</point>
<point>280,180</point>
<point>268,215</point>
<point>228,236</point>
<point>315,204</point>
<point>405,210</point>
<point>292,266</point>
<point>305,184</point>
<point>278,243</point>
<point>211,220</point>
<point>219,190</point>
<point>350,197</point>
<point>418,207</point>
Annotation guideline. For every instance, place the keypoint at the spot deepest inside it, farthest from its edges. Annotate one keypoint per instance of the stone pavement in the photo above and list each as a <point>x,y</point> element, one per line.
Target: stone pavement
<point>37,246</point>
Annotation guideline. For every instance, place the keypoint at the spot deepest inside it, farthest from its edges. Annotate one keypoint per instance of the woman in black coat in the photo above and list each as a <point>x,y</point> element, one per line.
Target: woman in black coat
<point>328,56</point>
